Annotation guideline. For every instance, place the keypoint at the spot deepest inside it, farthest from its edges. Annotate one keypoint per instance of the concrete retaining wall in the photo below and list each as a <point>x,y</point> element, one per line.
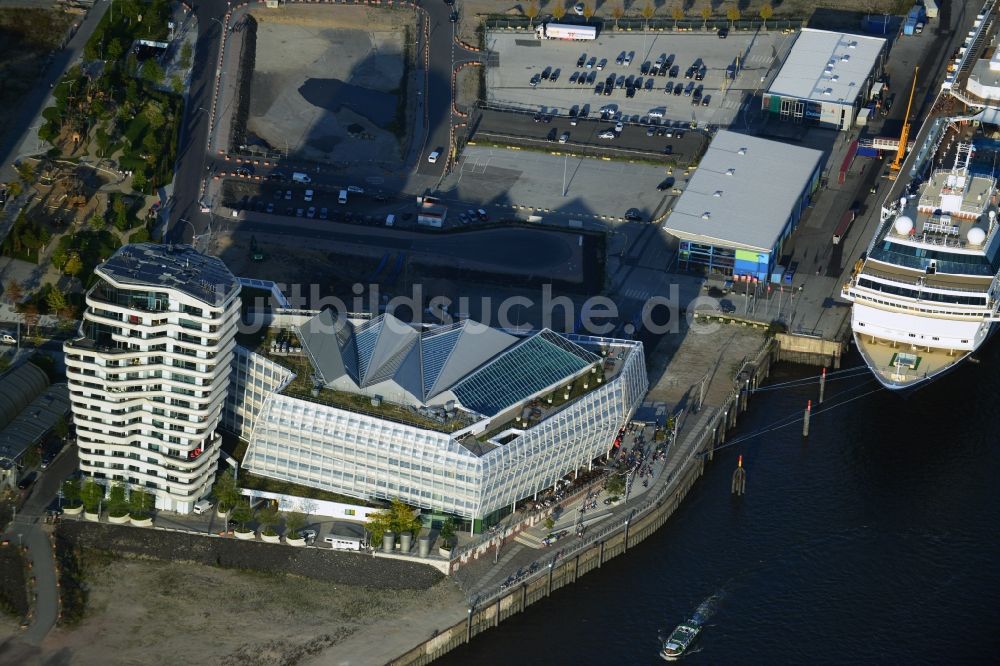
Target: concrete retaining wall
<point>809,350</point>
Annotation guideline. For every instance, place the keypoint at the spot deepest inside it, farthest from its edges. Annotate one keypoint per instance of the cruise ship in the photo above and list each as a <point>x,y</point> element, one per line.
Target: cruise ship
<point>925,295</point>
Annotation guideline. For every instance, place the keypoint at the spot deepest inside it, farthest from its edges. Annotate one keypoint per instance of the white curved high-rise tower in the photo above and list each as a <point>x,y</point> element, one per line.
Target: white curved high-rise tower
<point>149,373</point>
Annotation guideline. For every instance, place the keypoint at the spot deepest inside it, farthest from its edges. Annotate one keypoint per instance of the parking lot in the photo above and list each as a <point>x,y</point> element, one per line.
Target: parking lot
<point>595,134</point>
<point>516,59</point>
<point>593,187</point>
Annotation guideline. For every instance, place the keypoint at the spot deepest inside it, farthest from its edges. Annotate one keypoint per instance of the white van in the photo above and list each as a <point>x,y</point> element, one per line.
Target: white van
<point>301,178</point>
<point>7,339</point>
<point>343,197</point>
<point>202,506</point>
<point>308,196</point>
<point>338,542</point>
<point>390,220</point>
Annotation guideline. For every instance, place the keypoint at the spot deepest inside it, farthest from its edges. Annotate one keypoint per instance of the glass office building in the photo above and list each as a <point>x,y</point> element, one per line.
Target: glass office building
<point>461,419</point>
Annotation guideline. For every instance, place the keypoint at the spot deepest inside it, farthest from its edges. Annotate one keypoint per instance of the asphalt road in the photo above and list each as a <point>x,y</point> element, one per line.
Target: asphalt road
<point>437,94</point>
<point>194,128</point>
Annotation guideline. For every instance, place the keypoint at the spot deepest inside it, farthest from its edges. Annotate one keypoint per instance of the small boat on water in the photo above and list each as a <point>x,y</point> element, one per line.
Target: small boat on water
<point>680,639</point>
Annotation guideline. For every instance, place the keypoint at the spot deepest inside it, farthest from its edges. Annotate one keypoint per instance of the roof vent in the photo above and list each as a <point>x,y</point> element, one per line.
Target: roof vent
<point>828,91</point>
<point>845,57</point>
<point>718,193</point>
<point>706,215</point>
<point>742,151</point>
<point>852,45</point>
<point>730,172</point>
<point>835,77</point>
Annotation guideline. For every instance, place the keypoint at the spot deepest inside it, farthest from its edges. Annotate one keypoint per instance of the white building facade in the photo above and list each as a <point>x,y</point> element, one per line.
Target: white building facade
<point>150,370</point>
<point>484,464</point>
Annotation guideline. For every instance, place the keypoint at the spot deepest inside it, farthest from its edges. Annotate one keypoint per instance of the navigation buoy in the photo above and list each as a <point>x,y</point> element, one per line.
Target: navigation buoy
<point>739,478</point>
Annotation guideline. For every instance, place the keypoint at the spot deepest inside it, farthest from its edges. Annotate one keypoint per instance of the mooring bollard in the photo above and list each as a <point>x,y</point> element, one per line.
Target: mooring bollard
<point>805,419</point>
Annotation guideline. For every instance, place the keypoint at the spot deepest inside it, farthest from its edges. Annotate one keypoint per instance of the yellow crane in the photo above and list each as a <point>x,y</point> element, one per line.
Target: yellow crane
<point>904,135</point>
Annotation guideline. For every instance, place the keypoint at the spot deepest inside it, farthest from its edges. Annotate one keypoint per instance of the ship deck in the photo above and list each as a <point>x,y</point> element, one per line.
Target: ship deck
<point>898,366</point>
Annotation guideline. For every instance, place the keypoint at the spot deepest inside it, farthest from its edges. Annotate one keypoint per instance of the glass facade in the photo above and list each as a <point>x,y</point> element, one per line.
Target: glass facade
<point>364,456</point>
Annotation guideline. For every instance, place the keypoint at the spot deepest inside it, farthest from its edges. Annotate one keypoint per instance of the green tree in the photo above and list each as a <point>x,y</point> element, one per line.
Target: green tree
<point>59,256</point>
<point>615,485</point>
<point>177,84</point>
<point>766,12</point>
<point>268,518</point>
<point>114,50</point>
<point>61,428</point>
<point>71,492</point>
<point>73,265</point>
<point>95,222</point>
<point>294,521</point>
<point>549,522</point>
<point>532,13</point>
<point>91,493</point>
<point>55,299</point>
<point>117,504</point>
<point>32,457</point>
<point>152,72</point>
<point>139,181</point>
<point>140,502</point>
<point>186,55</point>
<point>242,514</point>
<point>226,491</point>
<point>120,209</point>
<point>398,519</point>
<point>447,533</point>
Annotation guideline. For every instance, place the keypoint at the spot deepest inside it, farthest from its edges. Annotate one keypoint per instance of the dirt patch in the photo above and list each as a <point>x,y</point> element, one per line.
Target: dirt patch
<point>27,37</point>
<point>319,70</point>
<point>150,612</point>
<point>468,84</point>
<point>13,590</point>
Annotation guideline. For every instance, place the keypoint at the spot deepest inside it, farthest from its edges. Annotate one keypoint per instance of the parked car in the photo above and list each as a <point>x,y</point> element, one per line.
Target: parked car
<point>546,72</point>
<point>674,71</point>
<point>590,63</point>
<point>633,215</point>
<point>666,184</point>
<point>535,80</point>
<point>599,88</point>
<point>723,33</point>
<point>607,134</point>
<point>202,506</point>
<point>551,136</point>
<point>311,213</point>
<point>574,76</point>
<point>554,76</point>
<point>324,213</point>
<point>649,84</point>
<point>705,100</point>
<point>581,60</point>
<point>564,137</point>
<point>433,157</point>
<point>602,63</point>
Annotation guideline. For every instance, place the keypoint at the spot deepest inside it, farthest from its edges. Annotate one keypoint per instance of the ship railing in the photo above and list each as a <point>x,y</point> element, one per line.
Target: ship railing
<point>868,271</point>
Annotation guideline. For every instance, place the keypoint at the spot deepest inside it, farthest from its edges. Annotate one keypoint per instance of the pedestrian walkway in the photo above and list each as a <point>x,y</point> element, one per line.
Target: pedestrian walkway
<point>27,530</point>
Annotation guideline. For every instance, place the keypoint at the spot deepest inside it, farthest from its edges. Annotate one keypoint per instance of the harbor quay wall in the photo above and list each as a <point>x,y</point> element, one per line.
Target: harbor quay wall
<point>709,426</point>
<point>809,350</point>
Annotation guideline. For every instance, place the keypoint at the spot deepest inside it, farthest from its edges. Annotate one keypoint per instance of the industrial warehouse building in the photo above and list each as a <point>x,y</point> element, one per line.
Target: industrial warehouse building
<point>460,419</point>
<point>745,198</point>
<point>826,78</point>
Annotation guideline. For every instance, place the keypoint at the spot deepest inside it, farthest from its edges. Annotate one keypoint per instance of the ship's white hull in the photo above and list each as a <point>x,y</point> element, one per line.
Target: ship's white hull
<point>904,382</point>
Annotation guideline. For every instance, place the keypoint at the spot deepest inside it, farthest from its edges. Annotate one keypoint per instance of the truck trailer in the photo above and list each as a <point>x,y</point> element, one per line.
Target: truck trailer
<point>930,8</point>
<point>565,31</point>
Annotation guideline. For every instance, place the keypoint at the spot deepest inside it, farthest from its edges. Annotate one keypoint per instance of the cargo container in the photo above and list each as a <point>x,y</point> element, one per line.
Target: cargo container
<point>845,225</point>
<point>909,26</point>
<point>564,31</point>
<point>930,8</point>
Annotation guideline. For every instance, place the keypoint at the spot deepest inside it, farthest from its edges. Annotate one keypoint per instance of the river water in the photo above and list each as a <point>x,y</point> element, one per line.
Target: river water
<point>875,540</point>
